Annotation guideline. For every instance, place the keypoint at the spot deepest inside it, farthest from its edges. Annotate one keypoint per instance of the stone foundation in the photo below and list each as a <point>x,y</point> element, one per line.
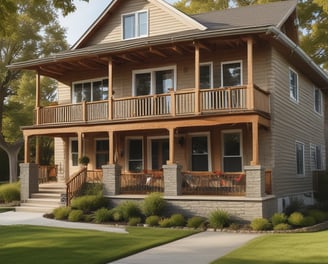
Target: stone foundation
<point>29,179</point>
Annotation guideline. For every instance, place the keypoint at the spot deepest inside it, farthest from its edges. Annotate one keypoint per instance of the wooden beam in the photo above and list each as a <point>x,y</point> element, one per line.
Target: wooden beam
<point>203,46</point>
<point>26,149</point>
<point>197,79</point>
<point>157,52</point>
<point>126,57</point>
<point>171,146</point>
<point>51,72</point>
<point>177,50</point>
<point>255,142</point>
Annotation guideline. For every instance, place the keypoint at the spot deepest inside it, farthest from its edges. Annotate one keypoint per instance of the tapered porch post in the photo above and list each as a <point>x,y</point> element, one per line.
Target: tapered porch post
<point>26,149</point>
<point>250,74</point>
<point>171,146</point>
<point>255,142</point>
<point>110,88</point>
<point>197,79</point>
<point>111,147</point>
<point>37,150</point>
<point>79,144</point>
<point>37,98</point>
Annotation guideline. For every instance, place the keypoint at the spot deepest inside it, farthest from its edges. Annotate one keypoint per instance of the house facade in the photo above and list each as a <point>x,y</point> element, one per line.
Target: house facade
<point>216,110</point>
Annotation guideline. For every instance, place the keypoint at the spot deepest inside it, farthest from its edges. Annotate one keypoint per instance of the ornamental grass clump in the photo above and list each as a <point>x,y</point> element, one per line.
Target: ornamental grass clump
<point>196,222</point>
<point>177,220</point>
<point>102,215</point>
<point>129,210</point>
<point>281,227</point>
<point>165,223</point>
<point>76,216</point>
<point>219,219</point>
<point>154,204</point>
<point>260,224</point>
<point>10,192</point>
<point>61,213</point>
<point>278,218</point>
<point>318,215</point>
<point>88,203</point>
<point>134,221</point>
<point>152,220</point>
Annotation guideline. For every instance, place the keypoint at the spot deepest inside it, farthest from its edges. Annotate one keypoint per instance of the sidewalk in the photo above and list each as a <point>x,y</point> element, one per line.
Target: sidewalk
<point>201,248</point>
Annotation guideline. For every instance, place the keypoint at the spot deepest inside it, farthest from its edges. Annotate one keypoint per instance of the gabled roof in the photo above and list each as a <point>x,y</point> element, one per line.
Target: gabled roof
<point>273,14</point>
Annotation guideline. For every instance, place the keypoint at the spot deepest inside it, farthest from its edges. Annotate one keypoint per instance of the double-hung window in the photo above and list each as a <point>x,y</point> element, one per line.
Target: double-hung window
<point>231,73</point>
<point>293,85</point>
<point>135,155</point>
<point>102,152</point>
<point>200,153</point>
<point>316,157</point>
<point>300,166</point>
<point>206,75</point>
<point>94,90</point>
<point>135,25</point>
<point>232,151</point>
<point>74,152</point>
<point>318,101</point>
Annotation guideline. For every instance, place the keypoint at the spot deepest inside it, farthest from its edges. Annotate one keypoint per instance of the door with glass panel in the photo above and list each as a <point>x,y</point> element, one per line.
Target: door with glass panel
<point>159,153</point>
<point>232,152</point>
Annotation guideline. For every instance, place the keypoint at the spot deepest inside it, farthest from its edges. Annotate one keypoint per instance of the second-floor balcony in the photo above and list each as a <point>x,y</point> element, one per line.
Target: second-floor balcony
<point>185,102</point>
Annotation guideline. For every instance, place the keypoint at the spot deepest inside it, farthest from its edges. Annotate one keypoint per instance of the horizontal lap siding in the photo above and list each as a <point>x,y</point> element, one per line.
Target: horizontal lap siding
<point>292,122</point>
<point>160,22</point>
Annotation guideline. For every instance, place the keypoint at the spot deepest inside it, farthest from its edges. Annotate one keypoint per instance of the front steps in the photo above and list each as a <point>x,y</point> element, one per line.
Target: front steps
<point>45,200</point>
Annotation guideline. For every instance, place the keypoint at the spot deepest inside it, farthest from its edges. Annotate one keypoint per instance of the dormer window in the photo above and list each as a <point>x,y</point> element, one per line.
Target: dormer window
<point>135,25</point>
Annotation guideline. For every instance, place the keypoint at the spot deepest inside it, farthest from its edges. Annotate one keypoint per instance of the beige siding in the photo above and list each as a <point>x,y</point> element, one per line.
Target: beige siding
<point>64,94</point>
<point>161,21</point>
<point>59,157</point>
<point>292,122</point>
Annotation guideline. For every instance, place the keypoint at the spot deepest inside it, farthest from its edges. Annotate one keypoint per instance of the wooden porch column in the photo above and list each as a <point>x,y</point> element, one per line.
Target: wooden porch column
<point>197,79</point>
<point>250,73</point>
<point>171,146</point>
<point>110,88</point>
<point>255,142</point>
<point>37,150</point>
<point>26,149</point>
<point>111,147</point>
<point>37,98</point>
<point>79,144</point>
<point>66,158</point>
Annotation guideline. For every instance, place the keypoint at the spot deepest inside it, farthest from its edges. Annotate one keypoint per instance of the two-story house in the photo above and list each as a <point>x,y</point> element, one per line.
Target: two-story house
<point>217,110</point>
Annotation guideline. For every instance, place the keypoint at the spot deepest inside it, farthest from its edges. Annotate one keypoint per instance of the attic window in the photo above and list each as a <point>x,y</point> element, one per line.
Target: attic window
<point>135,25</point>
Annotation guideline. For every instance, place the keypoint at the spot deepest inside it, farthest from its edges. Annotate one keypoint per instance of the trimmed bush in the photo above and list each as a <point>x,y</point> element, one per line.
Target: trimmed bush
<point>10,192</point>
<point>196,222</point>
<point>281,226</point>
<point>92,189</point>
<point>308,221</point>
<point>278,218</point>
<point>75,216</point>
<point>154,204</point>
<point>88,203</point>
<point>177,220</point>
<point>219,219</point>
<point>295,205</point>
<point>134,221</point>
<point>152,220</point>
<point>296,219</point>
<point>61,213</point>
<point>116,214</point>
<point>165,222</point>
<point>318,215</point>
<point>102,215</point>
<point>259,224</point>
<point>129,209</point>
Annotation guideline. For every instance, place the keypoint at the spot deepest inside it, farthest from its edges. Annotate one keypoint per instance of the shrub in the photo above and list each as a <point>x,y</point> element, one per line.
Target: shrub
<point>296,205</point>
<point>134,221</point>
<point>92,189</point>
<point>219,219</point>
<point>10,192</point>
<point>154,204</point>
<point>61,213</point>
<point>278,218</point>
<point>88,203</point>
<point>296,219</point>
<point>102,215</point>
<point>196,222</point>
<point>318,215</point>
<point>152,220</point>
<point>75,215</point>
<point>116,214</point>
<point>259,224</point>
<point>165,222</point>
<point>308,221</point>
<point>281,226</point>
<point>129,209</point>
<point>177,220</point>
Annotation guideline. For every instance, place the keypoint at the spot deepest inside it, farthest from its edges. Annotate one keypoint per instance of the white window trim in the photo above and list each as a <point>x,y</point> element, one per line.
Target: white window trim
<point>209,152</point>
<point>321,101</point>
<point>232,131</point>
<point>85,81</point>
<point>302,174</point>
<point>126,156</point>
<point>136,24</point>
<point>149,152</point>
<point>152,73</point>
<point>241,70</point>
<point>210,63</point>
<point>291,97</point>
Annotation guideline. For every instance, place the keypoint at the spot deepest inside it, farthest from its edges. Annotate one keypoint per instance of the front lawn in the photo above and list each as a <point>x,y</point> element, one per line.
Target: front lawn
<point>281,248</point>
<point>32,244</point>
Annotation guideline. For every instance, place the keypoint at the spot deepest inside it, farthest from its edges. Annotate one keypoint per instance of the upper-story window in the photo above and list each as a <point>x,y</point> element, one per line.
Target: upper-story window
<point>135,25</point>
<point>293,85</point>
<point>318,101</point>
<point>92,90</point>
<point>231,73</point>
<point>206,75</point>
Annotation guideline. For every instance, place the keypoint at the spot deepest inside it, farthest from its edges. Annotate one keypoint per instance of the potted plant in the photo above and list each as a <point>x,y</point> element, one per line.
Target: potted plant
<point>84,160</point>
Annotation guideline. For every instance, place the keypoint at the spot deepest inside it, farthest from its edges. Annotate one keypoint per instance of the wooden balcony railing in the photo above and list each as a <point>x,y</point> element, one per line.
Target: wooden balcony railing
<point>209,183</point>
<point>174,103</point>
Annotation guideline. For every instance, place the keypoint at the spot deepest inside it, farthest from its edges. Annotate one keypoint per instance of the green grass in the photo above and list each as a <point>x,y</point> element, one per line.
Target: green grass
<point>281,248</point>
<point>31,244</point>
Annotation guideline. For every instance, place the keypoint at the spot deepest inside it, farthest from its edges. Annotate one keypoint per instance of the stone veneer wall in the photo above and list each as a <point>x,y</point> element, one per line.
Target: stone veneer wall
<point>29,180</point>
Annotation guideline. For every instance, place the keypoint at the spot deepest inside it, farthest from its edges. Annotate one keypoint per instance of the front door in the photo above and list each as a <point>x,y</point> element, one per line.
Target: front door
<point>232,151</point>
<point>159,153</point>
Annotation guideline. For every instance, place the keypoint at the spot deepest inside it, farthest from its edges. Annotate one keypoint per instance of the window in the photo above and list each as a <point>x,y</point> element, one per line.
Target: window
<point>316,157</point>
<point>95,90</point>
<point>232,158</point>
<point>135,25</point>
<point>74,152</point>
<point>318,101</point>
<point>300,158</point>
<point>154,81</point>
<point>231,74</point>
<point>135,162</point>
<point>159,152</point>
<point>199,153</point>
<point>102,152</point>
<point>293,85</point>
<point>206,75</point>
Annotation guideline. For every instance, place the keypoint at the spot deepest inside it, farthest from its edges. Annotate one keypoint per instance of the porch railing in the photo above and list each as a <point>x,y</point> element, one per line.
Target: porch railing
<point>47,173</point>
<point>142,183</point>
<point>208,183</point>
<point>74,184</point>
<point>174,103</point>
<point>94,176</point>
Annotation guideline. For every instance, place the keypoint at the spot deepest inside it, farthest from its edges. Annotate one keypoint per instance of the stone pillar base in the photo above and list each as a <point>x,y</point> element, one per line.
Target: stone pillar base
<point>172,179</point>
<point>111,179</point>
<point>29,179</point>
<point>255,181</point>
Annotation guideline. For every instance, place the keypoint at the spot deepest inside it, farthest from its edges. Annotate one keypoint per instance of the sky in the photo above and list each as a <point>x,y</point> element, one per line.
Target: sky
<point>86,13</point>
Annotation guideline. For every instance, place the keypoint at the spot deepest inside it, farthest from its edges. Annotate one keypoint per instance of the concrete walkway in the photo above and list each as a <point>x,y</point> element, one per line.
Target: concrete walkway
<point>201,248</point>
